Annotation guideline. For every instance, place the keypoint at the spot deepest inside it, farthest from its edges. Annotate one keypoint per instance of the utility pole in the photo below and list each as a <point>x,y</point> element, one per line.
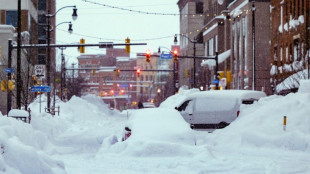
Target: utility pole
<point>62,74</point>
<point>194,62</point>
<point>9,96</point>
<point>253,44</point>
<point>18,61</point>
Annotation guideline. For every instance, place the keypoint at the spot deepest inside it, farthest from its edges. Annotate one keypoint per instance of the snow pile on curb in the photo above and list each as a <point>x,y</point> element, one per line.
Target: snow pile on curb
<point>261,124</point>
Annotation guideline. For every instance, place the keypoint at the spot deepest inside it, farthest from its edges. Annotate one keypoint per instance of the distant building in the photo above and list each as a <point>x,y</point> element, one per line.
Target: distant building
<point>290,43</point>
<point>98,72</point>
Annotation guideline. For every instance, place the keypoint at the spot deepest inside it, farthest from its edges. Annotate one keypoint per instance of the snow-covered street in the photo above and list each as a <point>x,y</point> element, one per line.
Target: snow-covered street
<point>80,140</point>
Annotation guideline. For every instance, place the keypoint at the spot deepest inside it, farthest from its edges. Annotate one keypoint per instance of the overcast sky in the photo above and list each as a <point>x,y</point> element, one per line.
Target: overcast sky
<point>99,23</point>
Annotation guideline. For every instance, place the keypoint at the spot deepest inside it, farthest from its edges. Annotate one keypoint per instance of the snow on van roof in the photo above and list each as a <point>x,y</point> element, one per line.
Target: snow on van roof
<point>241,94</point>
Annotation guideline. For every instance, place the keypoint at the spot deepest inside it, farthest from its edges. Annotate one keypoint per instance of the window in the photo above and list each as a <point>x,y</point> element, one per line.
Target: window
<point>42,5</point>
<point>211,47</point>
<point>199,7</point>
<point>216,43</point>
<point>41,59</point>
<point>42,19</point>
<point>11,18</point>
<point>296,50</point>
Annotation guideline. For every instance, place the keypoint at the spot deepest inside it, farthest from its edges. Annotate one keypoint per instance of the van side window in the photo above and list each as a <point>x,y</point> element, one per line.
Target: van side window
<point>248,102</point>
<point>183,106</point>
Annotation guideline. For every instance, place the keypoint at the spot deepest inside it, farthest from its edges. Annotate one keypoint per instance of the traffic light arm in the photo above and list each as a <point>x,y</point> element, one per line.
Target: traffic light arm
<point>103,45</point>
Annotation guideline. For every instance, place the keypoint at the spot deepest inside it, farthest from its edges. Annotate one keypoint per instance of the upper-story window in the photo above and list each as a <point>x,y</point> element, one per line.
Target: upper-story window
<point>184,12</point>
<point>199,7</point>
<point>42,5</point>
<point>11,17</point>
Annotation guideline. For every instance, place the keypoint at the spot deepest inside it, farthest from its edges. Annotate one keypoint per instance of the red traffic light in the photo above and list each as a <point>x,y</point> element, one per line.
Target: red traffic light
<point>148,53</point>
<point>122,92</point>
<point>175,52</point>
<point>111,92</point>
<point>138,72</point>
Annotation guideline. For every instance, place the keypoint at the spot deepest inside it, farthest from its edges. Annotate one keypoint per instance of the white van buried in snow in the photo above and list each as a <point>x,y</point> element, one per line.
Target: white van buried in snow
<point>215,109</point>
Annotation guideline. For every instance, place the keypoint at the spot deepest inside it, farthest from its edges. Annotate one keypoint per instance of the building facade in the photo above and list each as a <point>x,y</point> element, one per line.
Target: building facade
<point>289,43</point>
<point>216,37</point>
<point>249,47</point>
<point>191,24</point>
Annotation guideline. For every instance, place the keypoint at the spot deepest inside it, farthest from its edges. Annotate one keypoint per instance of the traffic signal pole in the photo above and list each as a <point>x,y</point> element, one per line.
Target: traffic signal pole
<point>9,95</point>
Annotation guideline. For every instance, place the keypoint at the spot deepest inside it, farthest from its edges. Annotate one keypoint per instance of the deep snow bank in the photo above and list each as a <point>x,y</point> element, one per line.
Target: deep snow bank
<point>155,132</point>
<point>261,124</point>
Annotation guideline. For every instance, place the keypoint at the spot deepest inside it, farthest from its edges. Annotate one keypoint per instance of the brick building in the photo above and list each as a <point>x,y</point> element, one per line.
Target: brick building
<point>290,22</point>
<point>191,24</point>
<point>98,72</point>
<point>216,36</point>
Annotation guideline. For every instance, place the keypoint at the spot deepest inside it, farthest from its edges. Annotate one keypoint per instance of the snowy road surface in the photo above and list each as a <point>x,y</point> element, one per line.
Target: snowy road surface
<point>78,141</point>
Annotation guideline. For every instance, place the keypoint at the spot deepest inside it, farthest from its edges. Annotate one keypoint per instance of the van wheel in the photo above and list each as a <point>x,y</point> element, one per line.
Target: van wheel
<point>222,125</point>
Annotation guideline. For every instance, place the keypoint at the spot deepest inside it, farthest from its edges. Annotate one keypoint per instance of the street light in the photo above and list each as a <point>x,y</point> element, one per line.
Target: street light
<point>49,16</point>
<point>194,42</point>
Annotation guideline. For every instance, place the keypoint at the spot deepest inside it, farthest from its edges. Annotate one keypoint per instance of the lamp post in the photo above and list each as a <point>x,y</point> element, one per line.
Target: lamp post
<point>174,66</point>
<point>49,16</point>
<point>194,54</point>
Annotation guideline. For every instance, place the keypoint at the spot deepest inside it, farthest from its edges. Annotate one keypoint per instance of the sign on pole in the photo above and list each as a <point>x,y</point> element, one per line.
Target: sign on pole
<point>223,82</point>
<point>40,89</point>
<point>9,70</point>
<point>166,56</point>
<point>39,71</point>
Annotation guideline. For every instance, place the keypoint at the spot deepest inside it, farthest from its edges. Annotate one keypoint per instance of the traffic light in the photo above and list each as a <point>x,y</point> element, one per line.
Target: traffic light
<point>34,80</point>
<point>82,48</point>
<point>3,85</point>
<point>127,47</point>
<point>220,74</point>
<point>175,56</point>
<point>0,50</point>
<point>11,85</point>
<point>148,56</point>
<point>138,71</point>
<point>117,72</point>
<point>122,92</point>
<point>112,92</point>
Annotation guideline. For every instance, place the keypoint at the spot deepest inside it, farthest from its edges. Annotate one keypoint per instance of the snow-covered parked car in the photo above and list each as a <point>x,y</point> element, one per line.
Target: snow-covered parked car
<point>215,109</point>
<point>156,124</point>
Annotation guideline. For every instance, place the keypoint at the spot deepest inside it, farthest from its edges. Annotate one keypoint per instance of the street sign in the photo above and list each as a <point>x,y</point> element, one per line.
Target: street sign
<point>124,85</point>
<point>223,82</point>
<point>40,89</point>
<point>9,70</point>
<point>166,56</point>
<point>39,71</point>
<point>216,81</point>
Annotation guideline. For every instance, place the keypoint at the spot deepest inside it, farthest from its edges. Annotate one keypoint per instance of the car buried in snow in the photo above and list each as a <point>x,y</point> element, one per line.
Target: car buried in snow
<point>215,109</point>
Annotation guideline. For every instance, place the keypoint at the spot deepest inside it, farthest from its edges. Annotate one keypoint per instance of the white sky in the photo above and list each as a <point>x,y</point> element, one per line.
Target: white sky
<point>113,25</point>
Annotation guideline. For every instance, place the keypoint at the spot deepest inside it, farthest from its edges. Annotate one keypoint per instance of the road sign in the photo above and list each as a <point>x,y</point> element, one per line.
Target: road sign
<point>216,81</point>
<point>40,89</point>
<point>124,85</point>
<point>39,71</point>
<point>223,82</point>
<point>9,70</point>
<point>166,56</point>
